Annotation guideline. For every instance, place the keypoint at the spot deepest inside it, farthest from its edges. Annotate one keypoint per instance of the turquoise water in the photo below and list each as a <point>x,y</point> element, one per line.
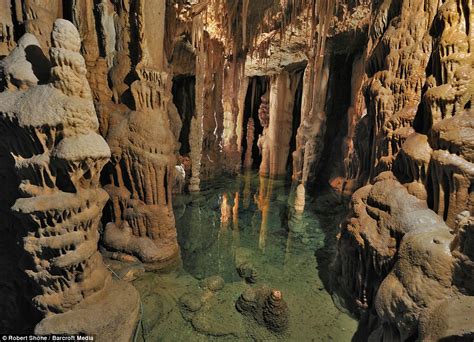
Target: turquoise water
<point>247,219</point>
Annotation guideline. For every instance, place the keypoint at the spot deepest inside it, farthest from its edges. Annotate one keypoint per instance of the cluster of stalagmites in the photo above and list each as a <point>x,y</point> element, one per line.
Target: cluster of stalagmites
<point>266,306</point>
<point>261,303</point>
<point>117,68</point>
<point>56,154</point>
<point>405,252</point>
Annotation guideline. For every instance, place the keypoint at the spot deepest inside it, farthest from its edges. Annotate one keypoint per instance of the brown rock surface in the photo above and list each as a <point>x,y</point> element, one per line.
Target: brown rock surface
<point>142,180</point>
<point>60,200</point>
<point>411,285</point>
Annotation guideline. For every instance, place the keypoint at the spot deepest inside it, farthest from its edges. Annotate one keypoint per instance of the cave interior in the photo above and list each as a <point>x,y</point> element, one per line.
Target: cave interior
<point>236,170</point>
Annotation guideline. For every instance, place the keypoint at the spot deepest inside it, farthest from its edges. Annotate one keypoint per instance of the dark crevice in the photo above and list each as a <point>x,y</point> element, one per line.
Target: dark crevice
<point>184,93</point>
<point>18,29</point>
<point>338,103</point>
<point>258,86</point>
<point>68,12</point>
<point>296,120</point>
<point>446,195</point>
<point>40,64</point>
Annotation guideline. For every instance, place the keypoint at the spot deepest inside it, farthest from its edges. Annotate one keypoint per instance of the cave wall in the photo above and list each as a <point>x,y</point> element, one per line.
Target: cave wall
<point>397,262</point>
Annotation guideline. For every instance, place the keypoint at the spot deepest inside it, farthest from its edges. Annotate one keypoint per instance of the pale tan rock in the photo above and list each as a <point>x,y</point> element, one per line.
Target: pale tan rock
<point>276,118</point>
<point>61,200</point>
<point>420,280</point>
<point>7,39</point>
<point>394,255</point>
<point>17,68</point>
<point>88,318</point>
<point>300,199</point>
<point>38,18</point>
<point>143,149</point>
<point>450,320</point>
<point>313,118</point>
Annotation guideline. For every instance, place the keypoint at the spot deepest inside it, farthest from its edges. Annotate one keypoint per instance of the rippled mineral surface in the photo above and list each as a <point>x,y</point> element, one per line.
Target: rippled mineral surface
<point>247,222</point>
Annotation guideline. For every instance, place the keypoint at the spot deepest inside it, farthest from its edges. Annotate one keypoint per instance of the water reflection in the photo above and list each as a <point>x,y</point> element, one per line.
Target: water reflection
<point>246,221</point>
<point>226,212</point>
<point>262,200</point>
<point>235,220</point>
<point>230,221</point>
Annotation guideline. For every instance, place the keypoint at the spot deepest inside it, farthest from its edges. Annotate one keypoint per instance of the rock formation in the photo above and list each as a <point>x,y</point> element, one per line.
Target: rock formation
<point>373,98</point>
<point>141,211</point>
<point>266,306</point>
<point>7,38</point>
<point>277,120</point>
<point>300,199</point>
<point>399,250</point>
<point>25,66</point>
<point>248,161</point>
<point>56,156</point>
<point>141,126</point>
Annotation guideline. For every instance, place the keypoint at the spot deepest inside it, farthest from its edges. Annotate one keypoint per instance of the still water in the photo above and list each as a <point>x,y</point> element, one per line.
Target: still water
<point>247,220</point>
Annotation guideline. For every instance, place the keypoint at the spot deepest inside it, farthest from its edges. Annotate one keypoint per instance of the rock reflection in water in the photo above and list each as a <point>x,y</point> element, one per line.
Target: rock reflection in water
<point>245,231</point>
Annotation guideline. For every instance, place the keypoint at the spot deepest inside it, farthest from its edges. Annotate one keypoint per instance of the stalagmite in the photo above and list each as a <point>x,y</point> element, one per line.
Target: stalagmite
<point>60,200</point>
<point>141,212</point>
<point>274,143</point>
<point>300,199</point>
<point>250,137</point>
<point>144,147</point>
<point>309,137</point>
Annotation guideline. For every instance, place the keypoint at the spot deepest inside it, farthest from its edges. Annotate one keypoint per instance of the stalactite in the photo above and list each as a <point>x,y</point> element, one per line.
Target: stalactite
<point>245,9</point>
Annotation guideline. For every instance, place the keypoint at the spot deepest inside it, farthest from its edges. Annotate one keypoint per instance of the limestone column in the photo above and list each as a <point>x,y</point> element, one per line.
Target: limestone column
<point>275,141</point>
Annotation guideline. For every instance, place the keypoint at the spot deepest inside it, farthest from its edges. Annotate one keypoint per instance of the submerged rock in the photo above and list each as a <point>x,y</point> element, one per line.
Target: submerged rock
<point>265,306</point>
<point>247,303</point>
<point>214,283</point>
<point>190,302</point>
<point>247,271</point>
<point>275,312</point>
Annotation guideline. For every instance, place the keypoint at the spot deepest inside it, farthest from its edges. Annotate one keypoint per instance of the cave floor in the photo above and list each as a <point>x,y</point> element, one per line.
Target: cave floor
<point>247,219</point>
